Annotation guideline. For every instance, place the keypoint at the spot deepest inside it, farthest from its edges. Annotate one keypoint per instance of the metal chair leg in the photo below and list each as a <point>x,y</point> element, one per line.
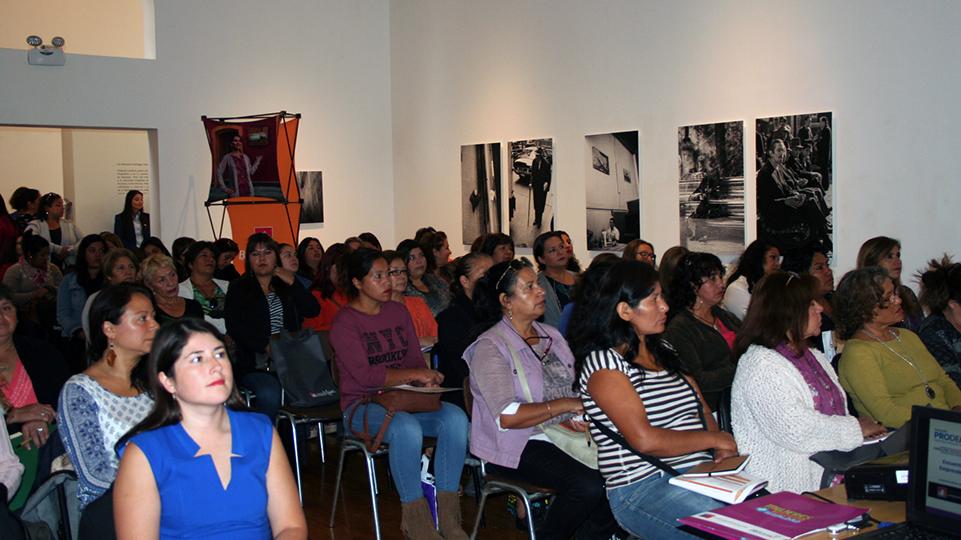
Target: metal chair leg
<point>340,471</point>
<point>372,482</point>
<point>530,516</point>
<point>320,441</point>
<point>480,514</point>
<point>293,436</point>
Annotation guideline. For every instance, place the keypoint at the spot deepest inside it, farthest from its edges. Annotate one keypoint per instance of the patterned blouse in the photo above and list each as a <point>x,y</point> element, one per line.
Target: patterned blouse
<point>92,419</point>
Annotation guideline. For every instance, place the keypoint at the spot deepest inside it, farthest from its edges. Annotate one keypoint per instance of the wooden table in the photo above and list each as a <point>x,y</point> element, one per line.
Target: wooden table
<point>893,511</point>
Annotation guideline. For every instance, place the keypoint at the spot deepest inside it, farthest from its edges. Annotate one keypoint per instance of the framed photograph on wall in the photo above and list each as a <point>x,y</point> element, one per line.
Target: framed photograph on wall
<point>711,187</point>
<point>612,201</point>
<point>311,185</point>
<point>480,174</point>
<point>530,197</point>
<point>794,164</point>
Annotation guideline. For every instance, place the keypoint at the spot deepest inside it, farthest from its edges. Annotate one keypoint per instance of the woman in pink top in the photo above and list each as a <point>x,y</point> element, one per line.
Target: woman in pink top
<point>424,323</point>
<point>376,346</point>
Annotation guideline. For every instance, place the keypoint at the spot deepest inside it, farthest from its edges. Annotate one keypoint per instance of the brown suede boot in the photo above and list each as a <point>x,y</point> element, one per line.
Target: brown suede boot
<point>448,515</point>
<point>416,522</point>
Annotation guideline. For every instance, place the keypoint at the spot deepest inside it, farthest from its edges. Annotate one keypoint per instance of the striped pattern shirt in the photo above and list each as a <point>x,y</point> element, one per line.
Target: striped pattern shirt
<point>276,313</point>
<point>670,404</point>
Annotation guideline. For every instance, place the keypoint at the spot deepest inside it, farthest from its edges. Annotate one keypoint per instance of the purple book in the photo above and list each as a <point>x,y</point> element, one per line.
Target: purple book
<point>782,515</point>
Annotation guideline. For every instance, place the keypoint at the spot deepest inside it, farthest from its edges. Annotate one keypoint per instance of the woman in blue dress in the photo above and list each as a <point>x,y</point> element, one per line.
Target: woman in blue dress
<point>199,466</point>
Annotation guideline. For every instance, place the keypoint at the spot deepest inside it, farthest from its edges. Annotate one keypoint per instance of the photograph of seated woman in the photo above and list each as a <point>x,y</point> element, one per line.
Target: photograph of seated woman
<point>199,465</point>
<point>632,383</point>
<point>376,346</point>
<point>885,369</point>
<point>790,210</point>
<point>786,402</point>
<point>700,330</point>
<point>511,412</point>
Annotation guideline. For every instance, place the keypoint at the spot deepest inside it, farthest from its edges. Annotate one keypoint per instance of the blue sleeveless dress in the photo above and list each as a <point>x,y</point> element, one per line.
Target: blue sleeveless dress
<point>193,503</point>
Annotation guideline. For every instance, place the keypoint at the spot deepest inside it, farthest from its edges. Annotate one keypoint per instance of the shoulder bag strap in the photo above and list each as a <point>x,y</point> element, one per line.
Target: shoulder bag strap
<point>616,437</point>
<point>518,367</point>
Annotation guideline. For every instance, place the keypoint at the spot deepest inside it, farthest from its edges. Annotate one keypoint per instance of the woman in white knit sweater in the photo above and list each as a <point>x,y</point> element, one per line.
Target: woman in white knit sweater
<point>786,403</point>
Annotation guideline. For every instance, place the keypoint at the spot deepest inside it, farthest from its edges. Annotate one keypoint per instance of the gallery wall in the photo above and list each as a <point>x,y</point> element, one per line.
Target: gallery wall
<point>468,72</point>
<point>328,60</point>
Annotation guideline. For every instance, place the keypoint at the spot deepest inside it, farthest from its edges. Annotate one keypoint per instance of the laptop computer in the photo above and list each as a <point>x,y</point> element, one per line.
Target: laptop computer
<point>934,495</point>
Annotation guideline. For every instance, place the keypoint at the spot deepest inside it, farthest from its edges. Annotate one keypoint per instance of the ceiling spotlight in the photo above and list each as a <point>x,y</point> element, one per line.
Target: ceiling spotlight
<point>45,55</point>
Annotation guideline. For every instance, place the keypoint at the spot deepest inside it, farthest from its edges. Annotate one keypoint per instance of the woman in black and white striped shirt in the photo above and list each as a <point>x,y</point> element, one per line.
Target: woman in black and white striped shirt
<point>631,383</point>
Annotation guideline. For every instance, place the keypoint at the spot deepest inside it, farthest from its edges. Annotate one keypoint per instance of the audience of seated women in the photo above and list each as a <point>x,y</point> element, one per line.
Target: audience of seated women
<point>553,276</point>
<point>499,247</point>
<point>62,235</point>
<point>202,286</point>
<point>376,346</point>
<point>814,260</point>
<point>309,254</point>
<point>633,384</point>
<point>264,301</point>
<point>941,330</point>
<point>132,224</point>
<point>199,465</point>
<point>160,276</point>
<point>434,290</point>
<point>425,326</point>
<point>34,281</point>
<point>700,330</point>
<point>31,375</point>
<point>521,378</point>
<point>885,369</point>
<point>786,402</point>
<point>101,404</point>
<point>455,324</point>
<point>86,279</point>
<point>759,259</point>
<point>886,252</point>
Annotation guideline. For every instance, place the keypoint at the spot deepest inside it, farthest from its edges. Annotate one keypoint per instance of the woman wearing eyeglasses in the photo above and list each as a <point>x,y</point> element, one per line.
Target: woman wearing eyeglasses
<point>640,250</point>
<point>885,369</point>
<point>376,346</point>
<point>424,323</point>
<point>521,378</point>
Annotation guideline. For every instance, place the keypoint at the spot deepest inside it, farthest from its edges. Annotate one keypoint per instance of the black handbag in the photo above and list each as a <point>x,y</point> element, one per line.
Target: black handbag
<point>836,462</point>
<point>303,369</point>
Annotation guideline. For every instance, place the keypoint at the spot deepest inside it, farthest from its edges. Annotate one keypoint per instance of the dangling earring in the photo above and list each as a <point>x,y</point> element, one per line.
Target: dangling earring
<point>510,314</point>
<point>111,355</point>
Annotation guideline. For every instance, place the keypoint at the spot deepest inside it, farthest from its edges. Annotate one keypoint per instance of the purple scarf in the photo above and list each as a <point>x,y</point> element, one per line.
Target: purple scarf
<point>828,399</point>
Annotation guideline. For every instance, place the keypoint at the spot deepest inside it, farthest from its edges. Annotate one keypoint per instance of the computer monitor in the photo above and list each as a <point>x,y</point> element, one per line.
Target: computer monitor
<point>934,499</point>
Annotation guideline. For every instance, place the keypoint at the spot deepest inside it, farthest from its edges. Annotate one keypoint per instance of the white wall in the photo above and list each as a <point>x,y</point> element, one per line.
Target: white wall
<point>30,157</point>
<point>499,70</point>
<point>329,60</point>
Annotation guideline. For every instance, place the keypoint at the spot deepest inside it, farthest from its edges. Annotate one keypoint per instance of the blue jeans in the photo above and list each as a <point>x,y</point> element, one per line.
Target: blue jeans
<point>405,435</point>
<point>650,508</point>
<point>267,388</point>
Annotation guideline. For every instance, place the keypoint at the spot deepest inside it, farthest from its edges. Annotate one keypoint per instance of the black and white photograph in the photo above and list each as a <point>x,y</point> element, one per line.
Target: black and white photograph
<point>531,201</point>
<point>612,193</point>
<point>311,184</point>
<point>711,187</point>
<point>794,178</point>
<point>480,177</point>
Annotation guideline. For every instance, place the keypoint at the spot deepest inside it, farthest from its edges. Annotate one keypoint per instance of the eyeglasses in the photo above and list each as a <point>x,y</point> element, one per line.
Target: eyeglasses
<point>515,265</point>
<point>790,277</point>
<point>647,255</point>
<point>397,272</point>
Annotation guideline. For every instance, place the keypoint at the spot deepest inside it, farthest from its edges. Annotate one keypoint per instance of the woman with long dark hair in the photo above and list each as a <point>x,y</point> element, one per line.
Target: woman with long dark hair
<point>455,324</point>
<point>700,330</point>
<point>132,224</point>
<point>814,260</point>
<point>553,276</point>
<point>166,485</point>
<point>759,259</point>
<point>309,254</point>
<point>425,326</point>
<point>86,279</point>
<point>62,235</point>
<point>521,378</point>
<point>265,300</point>
<point>328,288</point>
<point>98,406</point>
<point>633,385</point>
<point>786,402</point>
<point>376,346</point>
<point>421,282</point>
